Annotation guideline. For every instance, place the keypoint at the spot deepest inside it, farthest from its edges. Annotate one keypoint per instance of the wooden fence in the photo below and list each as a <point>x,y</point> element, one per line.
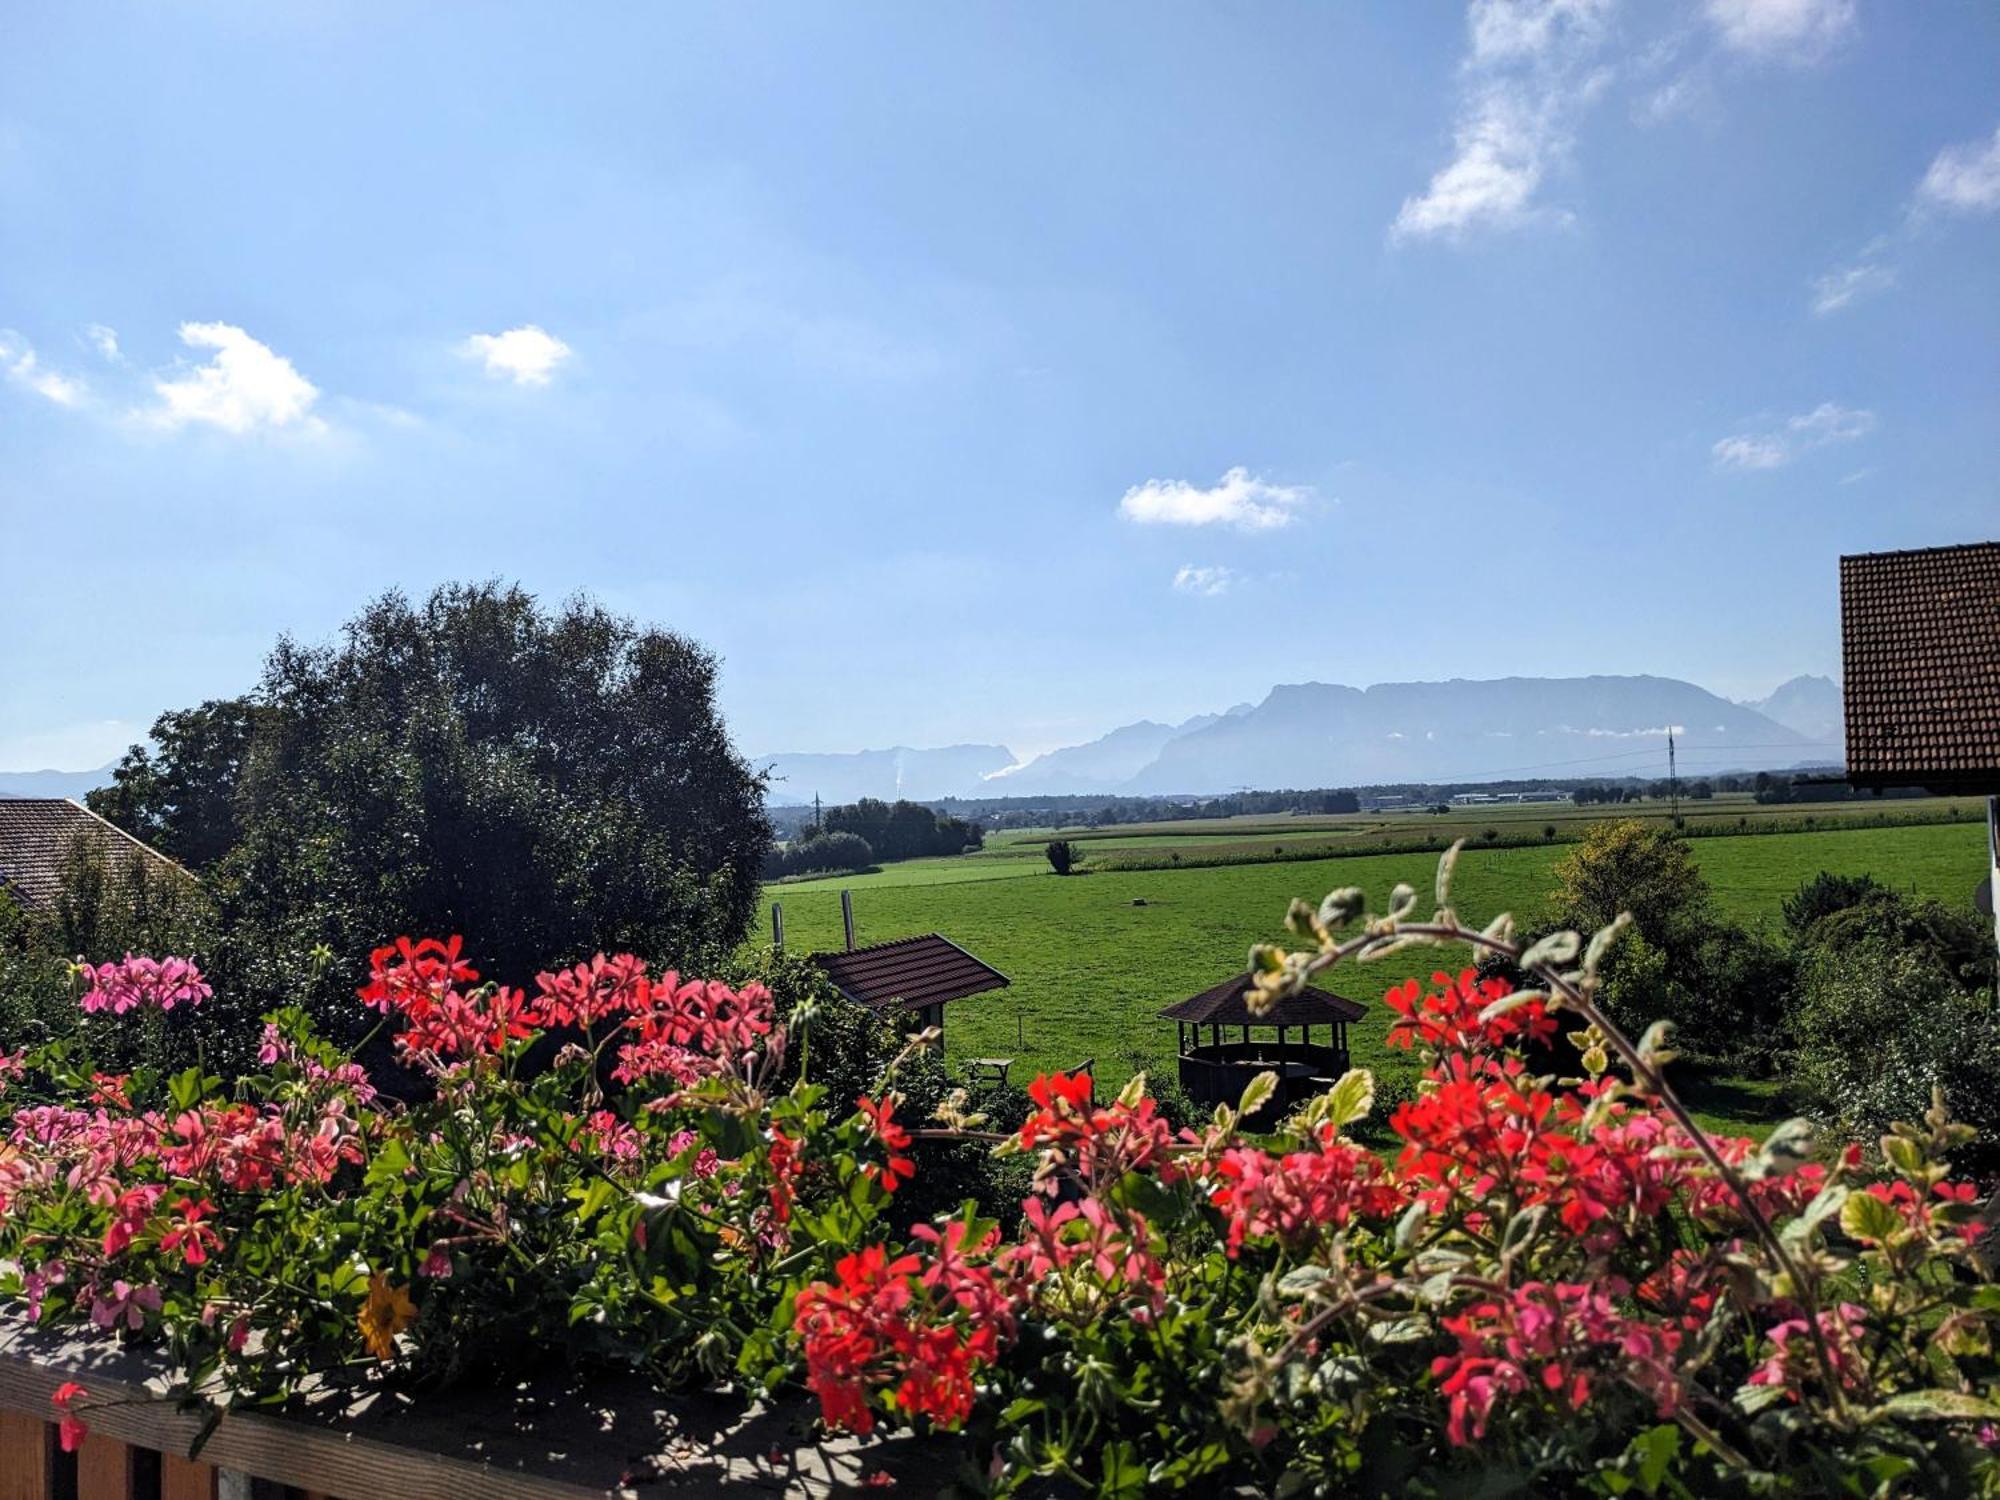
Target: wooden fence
<point>554,1436</point>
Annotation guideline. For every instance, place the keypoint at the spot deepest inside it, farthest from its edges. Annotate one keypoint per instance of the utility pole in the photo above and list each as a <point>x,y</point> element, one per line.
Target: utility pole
<point>1673,777</point>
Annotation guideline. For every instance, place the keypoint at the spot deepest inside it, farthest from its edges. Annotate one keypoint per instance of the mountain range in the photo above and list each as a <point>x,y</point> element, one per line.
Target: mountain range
<point>53,783</point>
<point>1316,734</point>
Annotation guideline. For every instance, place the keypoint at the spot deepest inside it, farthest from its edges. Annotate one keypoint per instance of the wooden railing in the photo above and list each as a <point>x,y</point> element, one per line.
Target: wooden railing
<point>552,1437</point>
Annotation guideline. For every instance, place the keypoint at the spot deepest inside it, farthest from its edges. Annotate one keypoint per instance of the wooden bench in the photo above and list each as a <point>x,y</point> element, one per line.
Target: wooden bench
<point>989,1069</point>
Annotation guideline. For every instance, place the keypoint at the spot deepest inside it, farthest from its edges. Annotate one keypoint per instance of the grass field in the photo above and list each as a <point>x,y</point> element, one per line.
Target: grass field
<point>1090,967</point>
<point>1263,836</point>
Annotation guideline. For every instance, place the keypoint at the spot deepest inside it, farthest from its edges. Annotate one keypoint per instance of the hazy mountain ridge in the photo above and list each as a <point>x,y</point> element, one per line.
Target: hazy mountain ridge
<point>1100,765</point>
<point>1810,705</point>
<point>1315,734</point>
<point>1321,734</point>
<point>899,771</point>
<point>72,784</point>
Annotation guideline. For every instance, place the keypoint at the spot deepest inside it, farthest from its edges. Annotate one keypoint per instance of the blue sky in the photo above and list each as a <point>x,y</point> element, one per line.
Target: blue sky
<point>987,373</point>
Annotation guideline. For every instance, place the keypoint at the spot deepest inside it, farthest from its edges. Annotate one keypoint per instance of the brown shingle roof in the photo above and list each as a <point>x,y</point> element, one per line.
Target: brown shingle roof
<point>909,973</point>
<point>1920,644</point>
<point>1226,1005</point>
<point>37,832</point>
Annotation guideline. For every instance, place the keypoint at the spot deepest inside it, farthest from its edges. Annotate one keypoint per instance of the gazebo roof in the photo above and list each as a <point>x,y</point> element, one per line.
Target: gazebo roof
<point>909,973</point>
<point>1228,1005</point>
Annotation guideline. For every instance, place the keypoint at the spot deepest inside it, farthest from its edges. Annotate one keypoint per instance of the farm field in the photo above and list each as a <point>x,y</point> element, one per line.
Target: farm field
<point>1258,835</point>
<point>1091,965</point>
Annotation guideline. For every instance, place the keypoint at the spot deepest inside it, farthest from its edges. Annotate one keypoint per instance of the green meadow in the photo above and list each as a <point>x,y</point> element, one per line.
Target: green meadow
<point>1093,957</point>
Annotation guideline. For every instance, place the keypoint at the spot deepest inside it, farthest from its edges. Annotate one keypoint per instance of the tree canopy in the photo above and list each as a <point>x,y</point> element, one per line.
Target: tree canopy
<point>548,783</point>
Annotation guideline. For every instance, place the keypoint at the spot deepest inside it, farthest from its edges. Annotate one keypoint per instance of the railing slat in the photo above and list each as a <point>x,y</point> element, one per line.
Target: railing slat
<point>186,1478</point>
<point>103,1469</point>
<point>27,1457</point>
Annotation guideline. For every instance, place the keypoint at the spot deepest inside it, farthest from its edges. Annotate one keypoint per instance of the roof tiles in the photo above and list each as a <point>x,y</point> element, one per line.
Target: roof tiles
<point>36,833</point>
<point>909,973</point>
<point>1920,647</point>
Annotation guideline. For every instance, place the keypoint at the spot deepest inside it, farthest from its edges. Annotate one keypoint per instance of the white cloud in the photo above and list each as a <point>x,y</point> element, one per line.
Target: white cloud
<point>1745,452</point>
<point>104,341</point>
<point>1238,499</point>
<point>24,369</point>
<point>1527,78</point>
<point>244,386</point>
<point>1847,284</point>
<point>1965,179</point>
<point>1793,31</point>
<point>1207,582</point>
<point>1826,423</point>
<point>527,355</point>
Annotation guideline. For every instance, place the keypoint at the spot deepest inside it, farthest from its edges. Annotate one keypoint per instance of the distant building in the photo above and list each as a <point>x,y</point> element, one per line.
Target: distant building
<point>38,835</point>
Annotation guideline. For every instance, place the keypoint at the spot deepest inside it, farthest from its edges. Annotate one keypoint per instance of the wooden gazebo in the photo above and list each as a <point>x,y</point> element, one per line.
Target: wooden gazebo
<point>1239,1045</point>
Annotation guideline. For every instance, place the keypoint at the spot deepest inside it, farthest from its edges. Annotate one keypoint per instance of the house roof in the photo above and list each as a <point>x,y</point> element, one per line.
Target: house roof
<point>37,832</point>
<point>909,973</point>
<point>1228,1005</point>
<point>1920,647</point>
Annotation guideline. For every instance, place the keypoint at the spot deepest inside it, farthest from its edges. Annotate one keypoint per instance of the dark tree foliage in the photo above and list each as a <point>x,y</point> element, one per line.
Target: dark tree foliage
<point>1062,856</point>
<point>546,783</point>
<point>819,853</point>
<point>181,796</point>
<point>1822,896</point>
<point>903,830</point>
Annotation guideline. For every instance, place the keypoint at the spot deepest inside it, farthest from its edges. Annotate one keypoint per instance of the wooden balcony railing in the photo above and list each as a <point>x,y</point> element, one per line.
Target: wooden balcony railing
<point>553,1437</point>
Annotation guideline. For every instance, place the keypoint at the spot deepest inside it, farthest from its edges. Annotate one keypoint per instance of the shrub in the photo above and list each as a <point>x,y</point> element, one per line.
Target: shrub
<point>820,853</point>
<point>1062,855</point>
<point>1822,896</point>
<point>1878,1027</point>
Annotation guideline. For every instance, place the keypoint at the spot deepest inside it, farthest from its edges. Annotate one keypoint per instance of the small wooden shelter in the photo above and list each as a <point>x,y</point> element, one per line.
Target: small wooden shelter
<point>919,975</point>
<point>1302,1038</point>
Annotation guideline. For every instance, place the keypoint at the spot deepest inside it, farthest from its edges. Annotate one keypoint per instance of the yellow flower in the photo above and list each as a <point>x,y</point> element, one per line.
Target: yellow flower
<point>386,1313</point>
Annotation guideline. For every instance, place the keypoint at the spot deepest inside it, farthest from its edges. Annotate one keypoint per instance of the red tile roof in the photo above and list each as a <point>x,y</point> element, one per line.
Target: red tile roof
<point>36,834</point>
<point>909,973</point>
<point>1226,1005</point>
<point>1920,644</point>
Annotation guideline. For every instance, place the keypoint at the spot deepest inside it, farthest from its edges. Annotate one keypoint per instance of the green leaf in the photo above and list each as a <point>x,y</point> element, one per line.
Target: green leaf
<point>1124,1474</point>
<point>1783,1151</point>
<point>1867,1218</point>
<point>1904,1153</point>
<point>1257,1093</point>
<point>1654,1450</point>
<point>1352,1098</point>
<point>185,1088</point>
<point>1939,1406</point>
<point>1302,1281</point>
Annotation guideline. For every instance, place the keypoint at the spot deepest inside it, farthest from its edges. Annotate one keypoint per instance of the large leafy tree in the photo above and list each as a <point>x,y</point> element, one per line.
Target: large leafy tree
<point>548,783</point>
<point>180,796</point>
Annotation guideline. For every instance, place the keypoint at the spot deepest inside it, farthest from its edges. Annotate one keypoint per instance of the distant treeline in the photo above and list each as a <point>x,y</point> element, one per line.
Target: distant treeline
<point>871,832</point>
<point>1103,810</point>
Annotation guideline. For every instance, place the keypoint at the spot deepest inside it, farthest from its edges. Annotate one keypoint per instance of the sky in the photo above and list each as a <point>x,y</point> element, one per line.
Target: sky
<point>987,373</point>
